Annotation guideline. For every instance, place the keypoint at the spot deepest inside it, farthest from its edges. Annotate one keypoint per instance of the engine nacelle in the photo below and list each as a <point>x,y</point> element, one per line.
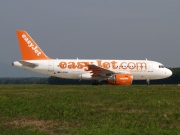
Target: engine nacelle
<point>120,79</point>
<point>86,76</point>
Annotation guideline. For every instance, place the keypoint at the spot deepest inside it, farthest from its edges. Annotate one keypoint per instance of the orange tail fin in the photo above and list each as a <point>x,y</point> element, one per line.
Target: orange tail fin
<point>28,47</point>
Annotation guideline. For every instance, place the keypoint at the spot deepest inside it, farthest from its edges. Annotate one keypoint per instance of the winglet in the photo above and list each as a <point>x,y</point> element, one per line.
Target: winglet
<point>28,47</point>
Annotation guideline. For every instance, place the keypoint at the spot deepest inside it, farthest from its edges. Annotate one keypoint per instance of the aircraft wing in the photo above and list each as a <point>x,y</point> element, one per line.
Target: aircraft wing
<point>99,71</point>
<point>28,64</point>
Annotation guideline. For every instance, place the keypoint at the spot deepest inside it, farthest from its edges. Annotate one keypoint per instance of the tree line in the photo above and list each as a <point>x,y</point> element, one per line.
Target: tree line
<point>28,80</point>
<point>174,79</point>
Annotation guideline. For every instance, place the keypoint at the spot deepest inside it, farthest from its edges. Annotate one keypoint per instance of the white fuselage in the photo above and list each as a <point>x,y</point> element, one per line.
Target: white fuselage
<point>73,69</point>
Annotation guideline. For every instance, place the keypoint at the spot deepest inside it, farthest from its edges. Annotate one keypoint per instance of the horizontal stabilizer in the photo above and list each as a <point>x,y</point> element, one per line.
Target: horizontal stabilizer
<point>28,64</point>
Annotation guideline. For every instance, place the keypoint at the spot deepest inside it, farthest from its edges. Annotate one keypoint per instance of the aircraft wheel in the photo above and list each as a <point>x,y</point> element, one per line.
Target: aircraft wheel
<point>97,83</point>
<point>148,82</point>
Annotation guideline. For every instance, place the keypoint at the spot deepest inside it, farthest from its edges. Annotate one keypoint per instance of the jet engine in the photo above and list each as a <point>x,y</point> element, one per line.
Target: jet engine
<point>120,79</point>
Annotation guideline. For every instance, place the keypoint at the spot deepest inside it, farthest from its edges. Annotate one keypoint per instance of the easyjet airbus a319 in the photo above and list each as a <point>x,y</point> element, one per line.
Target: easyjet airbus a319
<point>115,72</point>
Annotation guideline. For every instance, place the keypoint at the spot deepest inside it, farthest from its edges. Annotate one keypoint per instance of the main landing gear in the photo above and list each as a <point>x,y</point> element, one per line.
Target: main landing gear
<point>148,81</point>
<point>97,83</point>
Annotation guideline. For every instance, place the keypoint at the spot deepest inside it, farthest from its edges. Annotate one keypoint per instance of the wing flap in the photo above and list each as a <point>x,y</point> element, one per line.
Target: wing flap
<point>99,71</point>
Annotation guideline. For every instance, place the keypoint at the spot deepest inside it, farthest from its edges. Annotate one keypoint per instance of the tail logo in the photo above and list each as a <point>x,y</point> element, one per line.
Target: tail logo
<point>31,45</point>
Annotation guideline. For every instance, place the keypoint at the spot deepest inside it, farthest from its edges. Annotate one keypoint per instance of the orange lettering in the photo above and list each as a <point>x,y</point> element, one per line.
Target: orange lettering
<point>106,65</point>
<point>141,66</point>
<point>114,64</point>
<point>63,65</point>
<point>123,65</point>
<point>131,65</point>
<point>99,63</point>
<point>86,65</point>
<point>80,65</point>
<point>71,65</point>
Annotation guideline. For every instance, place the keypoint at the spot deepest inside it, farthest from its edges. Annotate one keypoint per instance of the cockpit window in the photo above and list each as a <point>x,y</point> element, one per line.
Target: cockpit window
<point>161,66</point>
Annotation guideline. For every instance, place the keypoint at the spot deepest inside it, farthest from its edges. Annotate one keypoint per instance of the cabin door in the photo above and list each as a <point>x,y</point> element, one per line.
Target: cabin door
<point>150,66</point>
<point>50,66</point>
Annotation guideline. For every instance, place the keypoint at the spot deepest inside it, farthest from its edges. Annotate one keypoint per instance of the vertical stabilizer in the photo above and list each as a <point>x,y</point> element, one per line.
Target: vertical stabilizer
<point>28,47</point>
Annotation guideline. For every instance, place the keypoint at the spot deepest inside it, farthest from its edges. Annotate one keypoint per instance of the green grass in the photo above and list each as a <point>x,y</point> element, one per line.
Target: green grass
<point>89,110</point>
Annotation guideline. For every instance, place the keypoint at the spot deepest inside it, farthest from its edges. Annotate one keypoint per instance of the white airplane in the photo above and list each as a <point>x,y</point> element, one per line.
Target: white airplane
<point>115,72</point>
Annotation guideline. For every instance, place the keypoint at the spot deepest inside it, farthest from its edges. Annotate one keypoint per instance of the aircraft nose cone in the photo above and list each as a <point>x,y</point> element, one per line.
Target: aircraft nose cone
<point>168,72</point>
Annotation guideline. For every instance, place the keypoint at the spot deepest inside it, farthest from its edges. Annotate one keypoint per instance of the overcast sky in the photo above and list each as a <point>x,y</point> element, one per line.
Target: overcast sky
<point>94,29</point>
